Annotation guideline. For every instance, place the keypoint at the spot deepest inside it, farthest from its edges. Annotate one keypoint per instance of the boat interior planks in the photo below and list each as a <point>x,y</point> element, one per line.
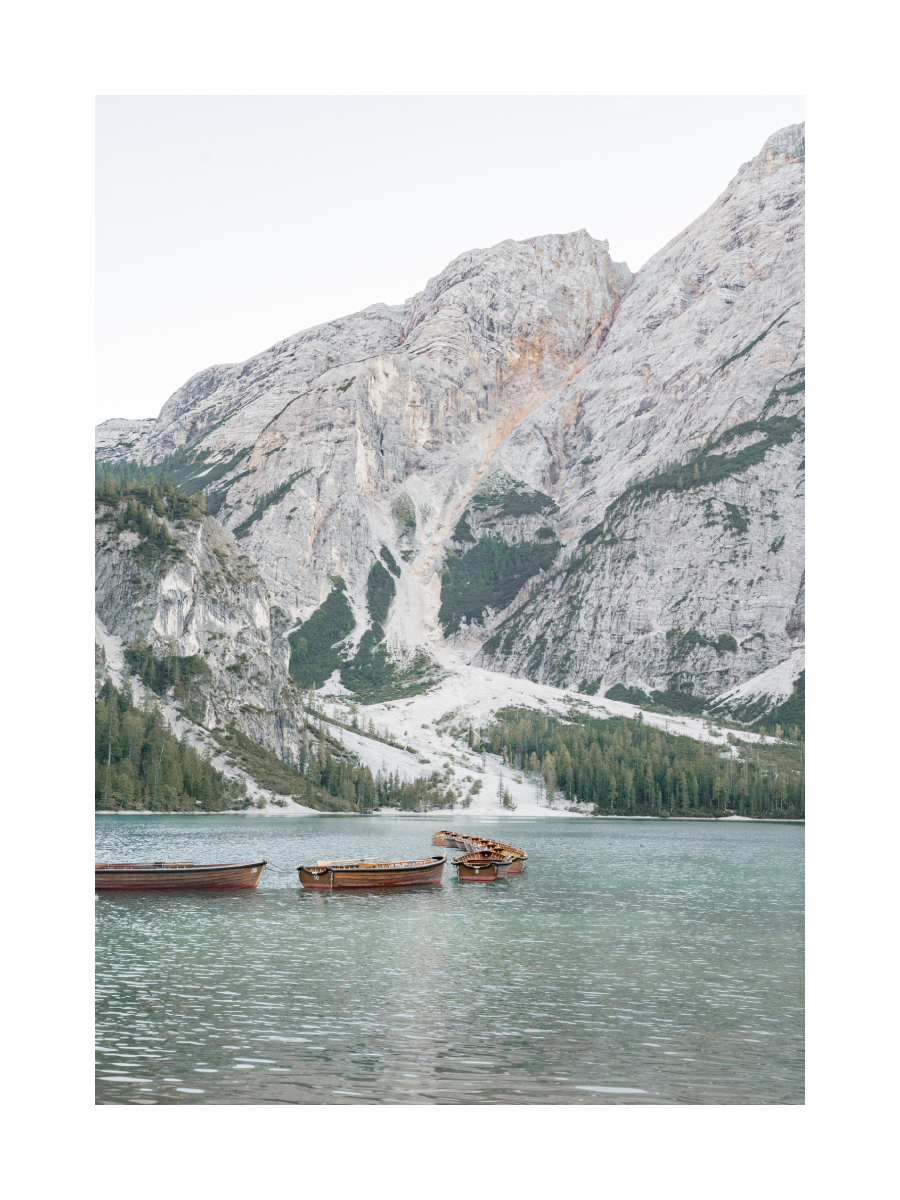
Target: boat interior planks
<point>167,876</point>
<point>367,873</point>
<point>472,844</point>
<point>482,866</point>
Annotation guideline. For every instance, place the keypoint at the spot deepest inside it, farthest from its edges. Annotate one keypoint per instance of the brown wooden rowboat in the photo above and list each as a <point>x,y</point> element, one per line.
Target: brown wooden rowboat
<point>359,873</point>
<point>472,844</point>
<point>110,876</point>
<point>445,837</point>
<point>482,866</point>
<point>519,857</point>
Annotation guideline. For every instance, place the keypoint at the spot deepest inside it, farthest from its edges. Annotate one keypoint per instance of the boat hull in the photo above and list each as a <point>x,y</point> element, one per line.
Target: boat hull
<point>122,877</point>
<point>446,837</point>
<point>482,866</point>
<point>473,845</point>
<point>484,874</point>
<point>327,878</point>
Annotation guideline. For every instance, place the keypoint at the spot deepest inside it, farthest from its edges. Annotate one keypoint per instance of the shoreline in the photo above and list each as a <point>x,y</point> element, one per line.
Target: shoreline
<point>435,813</point>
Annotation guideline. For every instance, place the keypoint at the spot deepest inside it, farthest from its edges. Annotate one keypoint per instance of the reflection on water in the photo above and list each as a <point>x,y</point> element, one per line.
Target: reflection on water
<point>633,962</point>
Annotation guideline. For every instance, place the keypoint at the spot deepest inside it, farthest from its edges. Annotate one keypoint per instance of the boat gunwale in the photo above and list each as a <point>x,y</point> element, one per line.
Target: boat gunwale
<point>142,868</point>
<point>483,858</point>
<point>500,847</point>
<point>401,865</point>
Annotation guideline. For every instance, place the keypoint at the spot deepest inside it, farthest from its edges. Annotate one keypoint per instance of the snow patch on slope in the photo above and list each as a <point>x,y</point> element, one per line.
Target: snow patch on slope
<point>472,695</point>
<point>777,683</point>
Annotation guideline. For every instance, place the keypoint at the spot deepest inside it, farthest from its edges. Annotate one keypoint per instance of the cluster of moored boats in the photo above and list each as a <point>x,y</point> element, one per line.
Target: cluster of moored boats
<point>484,860</point>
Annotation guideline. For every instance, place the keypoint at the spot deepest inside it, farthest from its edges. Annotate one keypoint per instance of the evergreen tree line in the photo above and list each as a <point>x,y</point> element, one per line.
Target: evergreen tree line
<point>156,496</point>
<point>324,777</point>
<point>184,673</point>
<point>144,502</point>
<point>620,765</point>
<point>141,764</point>
<point>185,469</point>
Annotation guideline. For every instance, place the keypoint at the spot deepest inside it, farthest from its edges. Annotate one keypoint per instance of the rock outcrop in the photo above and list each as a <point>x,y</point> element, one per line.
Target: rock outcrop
<point>189,596</point>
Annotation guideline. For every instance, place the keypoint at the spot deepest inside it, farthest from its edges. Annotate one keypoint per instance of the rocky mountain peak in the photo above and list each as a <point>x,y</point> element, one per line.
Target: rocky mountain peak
<point>583,476</point>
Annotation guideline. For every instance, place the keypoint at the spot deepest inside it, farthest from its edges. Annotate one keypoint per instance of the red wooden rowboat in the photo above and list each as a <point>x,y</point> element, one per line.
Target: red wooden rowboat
<point>483,866</point>
<point>130,877</point>
<point>366,873</point>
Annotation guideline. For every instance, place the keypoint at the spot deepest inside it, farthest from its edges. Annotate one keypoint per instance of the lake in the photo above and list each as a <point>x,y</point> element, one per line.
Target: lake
<point>632,962</point>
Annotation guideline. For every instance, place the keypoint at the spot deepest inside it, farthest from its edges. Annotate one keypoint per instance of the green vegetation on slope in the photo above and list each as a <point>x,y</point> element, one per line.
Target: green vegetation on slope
<point>706,467</point>
<point>392,564</point>
<point>380,591</point>
<point>624,766</point>
<point>161,499</point>
<point>672,700</point>
<point>513,503</point>
<point>184,469</point>
<point>683,644</point>
<point>404,515</point>
<point>759,712</point>
<point>489,575</point>
<point>185,674</point>
<point>141,764</point>
<point>325,780</point>
<point>370,670</point>
<point>215,498</point>
<point>756,340</point>
<point>375,678</point>
<point>371,674</point>
<point>314,655</point>
<point>266,500</point>
<point>463,531</point>
<point>791,713</point>
<point>136,507</point>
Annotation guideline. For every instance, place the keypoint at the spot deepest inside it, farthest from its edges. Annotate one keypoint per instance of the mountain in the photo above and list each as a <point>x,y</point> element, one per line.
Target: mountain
<point>541,464</point>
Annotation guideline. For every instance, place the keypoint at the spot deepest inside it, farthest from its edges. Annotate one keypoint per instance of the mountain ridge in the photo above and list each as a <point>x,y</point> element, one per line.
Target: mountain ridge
<point>610,457</point>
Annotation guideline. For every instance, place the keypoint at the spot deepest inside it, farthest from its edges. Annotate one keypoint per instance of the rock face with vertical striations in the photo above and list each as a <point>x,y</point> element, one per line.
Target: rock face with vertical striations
<point>541,462</point>
<point>194,618</point>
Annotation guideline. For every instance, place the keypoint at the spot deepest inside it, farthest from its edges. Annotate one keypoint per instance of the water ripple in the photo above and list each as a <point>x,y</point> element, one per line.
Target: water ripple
<point>608,973</point>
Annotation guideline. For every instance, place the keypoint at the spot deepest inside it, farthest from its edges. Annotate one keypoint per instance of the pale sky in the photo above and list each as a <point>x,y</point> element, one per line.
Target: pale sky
<point>227,223</point>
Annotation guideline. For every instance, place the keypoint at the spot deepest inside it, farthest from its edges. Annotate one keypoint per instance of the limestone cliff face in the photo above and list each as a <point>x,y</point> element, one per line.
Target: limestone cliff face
<point>697,577</point>
<point>199,596</point>
<point>583,476</point>
<point>391,410</point>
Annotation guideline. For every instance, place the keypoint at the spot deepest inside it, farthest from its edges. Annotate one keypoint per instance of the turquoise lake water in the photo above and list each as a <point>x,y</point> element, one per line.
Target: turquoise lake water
<point>633,962</point>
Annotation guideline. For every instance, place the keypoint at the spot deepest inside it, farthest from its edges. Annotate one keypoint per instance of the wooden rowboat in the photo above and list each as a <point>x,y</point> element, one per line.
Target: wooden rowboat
<point>519,857</point>
<point>445,837</point>
<point>110,876</point>
<point>482,866</point>
<point>472,845</point>
<point>367,873</point>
